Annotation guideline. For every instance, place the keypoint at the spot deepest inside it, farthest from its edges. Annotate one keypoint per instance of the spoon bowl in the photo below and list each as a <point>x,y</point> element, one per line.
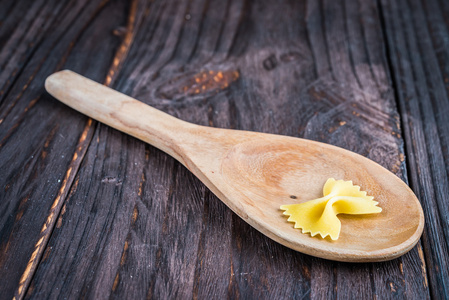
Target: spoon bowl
<point>255,173</point>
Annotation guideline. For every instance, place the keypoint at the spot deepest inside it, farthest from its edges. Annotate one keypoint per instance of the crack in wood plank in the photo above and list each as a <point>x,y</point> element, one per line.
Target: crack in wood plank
<point>77,157</point>
<point>47,227</point>
<point>123,50</point>
<point>76,161</point>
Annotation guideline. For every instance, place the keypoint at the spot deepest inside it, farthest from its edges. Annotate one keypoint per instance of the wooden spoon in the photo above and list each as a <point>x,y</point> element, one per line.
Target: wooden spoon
<point>255,173</point>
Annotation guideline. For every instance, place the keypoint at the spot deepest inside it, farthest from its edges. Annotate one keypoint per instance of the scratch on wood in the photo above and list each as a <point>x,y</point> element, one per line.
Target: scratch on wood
<point>423,265</point>
<point>84,134</point>
<point>19,215</point>
<point>21,207</point>
<point>147,154</point>
<point>63,210</point>
<point>44,227</point>
<point>46,254</point>
<point>32,103</point>
<point>59,223</point>
<point>142,180</point>
<point>47,142</point>
<point>122,51</point>
<point>233,285</point>
<point>114,286</point>
<point>135,215</point>
<point>124,254</point>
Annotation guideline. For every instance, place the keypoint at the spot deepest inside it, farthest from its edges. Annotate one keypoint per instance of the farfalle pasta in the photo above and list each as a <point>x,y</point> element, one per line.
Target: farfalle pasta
<point>319,216</point>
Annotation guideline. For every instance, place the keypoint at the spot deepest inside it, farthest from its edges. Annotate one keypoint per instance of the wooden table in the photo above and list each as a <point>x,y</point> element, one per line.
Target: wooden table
<point>89,212</point>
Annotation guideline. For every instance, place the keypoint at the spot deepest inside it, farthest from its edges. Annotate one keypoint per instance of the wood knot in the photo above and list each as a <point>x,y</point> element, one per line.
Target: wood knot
<point>270,62</point>
<point>204,83</point>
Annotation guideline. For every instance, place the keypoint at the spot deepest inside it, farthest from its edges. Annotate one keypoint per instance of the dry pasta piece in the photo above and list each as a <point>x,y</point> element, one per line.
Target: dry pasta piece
<point>319,216</point>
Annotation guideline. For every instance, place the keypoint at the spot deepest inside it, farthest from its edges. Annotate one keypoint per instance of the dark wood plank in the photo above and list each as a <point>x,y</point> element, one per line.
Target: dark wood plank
<point>360,114</point>
<point>137,224</point>
<point>23,27</point>
<point>42,142</point>
<point>417,32</point>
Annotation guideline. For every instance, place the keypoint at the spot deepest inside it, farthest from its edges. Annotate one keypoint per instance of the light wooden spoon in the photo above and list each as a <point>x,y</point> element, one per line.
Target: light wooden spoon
<point>255,173</point>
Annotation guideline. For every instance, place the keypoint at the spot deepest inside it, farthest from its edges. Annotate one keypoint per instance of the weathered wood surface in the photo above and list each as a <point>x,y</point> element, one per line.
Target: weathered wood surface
<point>86,211</point>
<point>418,34</point>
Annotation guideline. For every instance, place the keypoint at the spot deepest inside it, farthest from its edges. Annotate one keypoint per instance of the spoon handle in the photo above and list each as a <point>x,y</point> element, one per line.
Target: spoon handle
<point>120,111</point>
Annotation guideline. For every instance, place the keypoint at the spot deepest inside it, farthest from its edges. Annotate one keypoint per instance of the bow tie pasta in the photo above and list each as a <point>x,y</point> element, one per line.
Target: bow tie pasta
<point>319,216</point>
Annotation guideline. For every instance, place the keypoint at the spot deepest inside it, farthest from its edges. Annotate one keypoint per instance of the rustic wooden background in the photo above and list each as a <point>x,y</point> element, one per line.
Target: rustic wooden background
<point>88,212</point>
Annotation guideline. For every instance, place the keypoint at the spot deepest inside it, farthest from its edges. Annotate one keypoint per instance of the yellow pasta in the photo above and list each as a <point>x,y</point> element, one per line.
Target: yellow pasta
<point>319,216</point>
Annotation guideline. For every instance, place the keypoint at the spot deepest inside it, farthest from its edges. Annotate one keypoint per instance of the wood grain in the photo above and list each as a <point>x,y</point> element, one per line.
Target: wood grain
<point>137,224</point>
<point>33,187</point>
<point>193,108</point>
<point>420,64</point>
